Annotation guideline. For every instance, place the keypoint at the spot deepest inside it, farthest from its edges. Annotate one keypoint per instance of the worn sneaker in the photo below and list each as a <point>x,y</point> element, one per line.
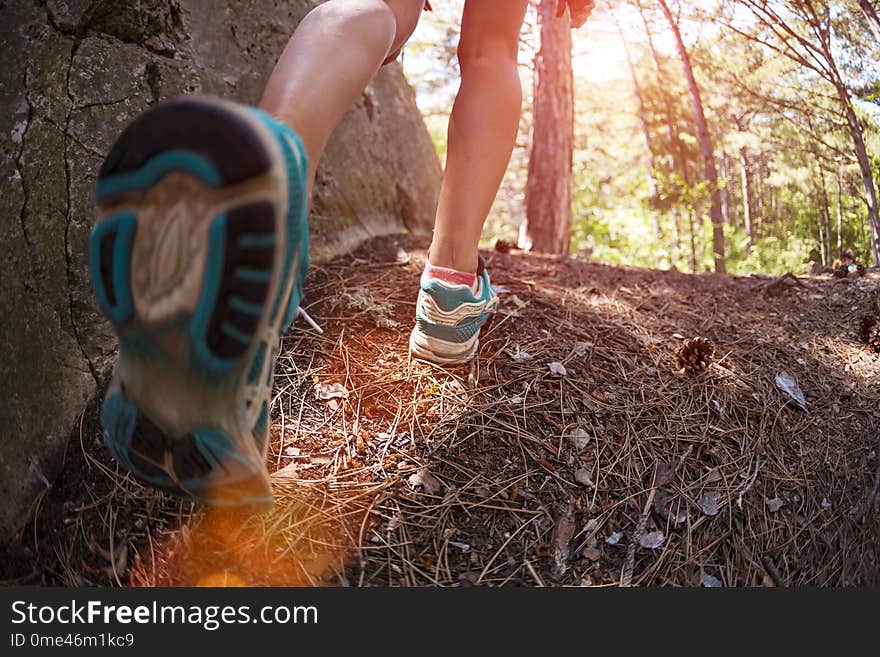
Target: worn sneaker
<point>198,259</point>
<point>449,317</point>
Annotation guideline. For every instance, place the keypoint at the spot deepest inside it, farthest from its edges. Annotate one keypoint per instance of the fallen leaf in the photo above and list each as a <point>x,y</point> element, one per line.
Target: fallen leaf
<point>663,474</point>
<point>786,383</point>
<point>522,356</point>
<point>825,503</point>
<point>557,369</point>
<point>544,463</point>
<point>464,547</point>
<point>327,391</point>
<point>499,289</point>
<point>292,451</point>
<point>710,581</point>
<point>593,554</point>
<point>579,438</point>
<point>774,505</point>
<point>709,502</point>
<point>516,401</point>
<point>614,539</point>
<point>562,535</point>
<point>652,540</point>
<point>584,479</point>
<point>429,483</point>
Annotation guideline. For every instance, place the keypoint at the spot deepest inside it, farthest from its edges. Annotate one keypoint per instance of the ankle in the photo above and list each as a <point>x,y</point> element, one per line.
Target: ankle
<point>463,261</point>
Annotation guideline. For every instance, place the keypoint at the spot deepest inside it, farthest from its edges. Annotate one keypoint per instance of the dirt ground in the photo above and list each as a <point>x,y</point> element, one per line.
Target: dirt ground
<point>572,452</point>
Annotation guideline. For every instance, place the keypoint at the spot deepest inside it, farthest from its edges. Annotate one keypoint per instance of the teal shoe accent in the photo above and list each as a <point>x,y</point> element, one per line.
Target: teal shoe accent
<point>118,418</point>
<point>116,303</point>
<point>297,223</point>
<point>242,306</point>
<point>154,170</point>
<point>257,364</point>
<point>262,425</point>
<point>253,275</point>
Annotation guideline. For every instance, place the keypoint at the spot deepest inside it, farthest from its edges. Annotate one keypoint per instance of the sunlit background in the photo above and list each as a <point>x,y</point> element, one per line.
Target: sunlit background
<point>613,216</point>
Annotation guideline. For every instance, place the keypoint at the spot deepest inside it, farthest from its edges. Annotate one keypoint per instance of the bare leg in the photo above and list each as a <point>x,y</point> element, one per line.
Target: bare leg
<point>334,53</point>
<point>482,128</point>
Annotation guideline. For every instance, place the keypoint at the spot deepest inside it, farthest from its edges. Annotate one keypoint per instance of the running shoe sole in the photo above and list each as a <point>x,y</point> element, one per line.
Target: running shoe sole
<point>193,260</point>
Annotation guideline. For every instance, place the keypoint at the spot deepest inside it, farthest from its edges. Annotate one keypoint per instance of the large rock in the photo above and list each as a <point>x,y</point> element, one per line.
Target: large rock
<point>74,72</point>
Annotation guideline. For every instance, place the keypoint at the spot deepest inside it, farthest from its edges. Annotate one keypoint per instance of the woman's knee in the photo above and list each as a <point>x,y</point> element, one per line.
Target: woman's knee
<point>490,34</point>
<point>406,18</point>
<point>375,19</point>
<point>495,54</point>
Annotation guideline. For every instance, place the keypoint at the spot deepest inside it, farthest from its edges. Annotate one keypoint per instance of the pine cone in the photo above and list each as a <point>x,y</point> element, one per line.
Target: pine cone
<point>860,269</point>
<point>695,355</point>
<point>869,332</point>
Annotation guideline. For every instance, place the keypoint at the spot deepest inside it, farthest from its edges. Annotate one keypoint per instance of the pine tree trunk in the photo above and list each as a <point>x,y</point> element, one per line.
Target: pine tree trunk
<point>710,172</point>
<point>547,227</point>
<point>726,215</point>
<point>826,215</point>
<point>871,16</point>
<point>677,149</point>
<point>839,212</point>
<point>867,175</point>
<point>858,137</point>
<point>693,235</point>
<point>747,198</point>
<point>646,134</point>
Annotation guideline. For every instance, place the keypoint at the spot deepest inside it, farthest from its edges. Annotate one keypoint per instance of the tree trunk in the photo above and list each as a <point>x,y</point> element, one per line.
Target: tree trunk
<point>747,198</point>
<point>676,234</point>
<point>872,17</point>
<point>826,216</point>
<point>839,212</point>
<point>858,138</point>
<point>867,175</point>
<point>547,227</point>
<point>650,164</point>
<point>726,215</point>
<point>693,231</point>
<point>677,148</point>
<point>710,172</point>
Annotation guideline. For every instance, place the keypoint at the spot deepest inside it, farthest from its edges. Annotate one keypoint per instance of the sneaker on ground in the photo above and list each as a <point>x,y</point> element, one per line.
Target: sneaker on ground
<point>449,317</point>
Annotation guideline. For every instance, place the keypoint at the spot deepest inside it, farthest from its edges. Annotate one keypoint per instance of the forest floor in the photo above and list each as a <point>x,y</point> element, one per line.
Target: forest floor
<point>621,470</point>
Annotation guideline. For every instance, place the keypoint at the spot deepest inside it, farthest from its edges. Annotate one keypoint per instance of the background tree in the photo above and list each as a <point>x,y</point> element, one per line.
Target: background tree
<point>548,221</point>
<point>804,31</point>
<point>710,171</point>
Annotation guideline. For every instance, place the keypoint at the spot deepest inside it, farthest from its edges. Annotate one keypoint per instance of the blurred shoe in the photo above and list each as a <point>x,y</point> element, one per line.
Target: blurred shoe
<point>449,316</point>
<point>198,260</point>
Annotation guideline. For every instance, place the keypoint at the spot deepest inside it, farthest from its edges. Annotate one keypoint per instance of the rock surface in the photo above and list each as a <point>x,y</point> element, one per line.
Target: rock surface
<point>75,71</point>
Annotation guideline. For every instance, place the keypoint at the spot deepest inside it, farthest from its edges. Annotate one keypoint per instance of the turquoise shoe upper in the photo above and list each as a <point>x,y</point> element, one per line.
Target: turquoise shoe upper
<point>297,257</point>
<point>454,313</point>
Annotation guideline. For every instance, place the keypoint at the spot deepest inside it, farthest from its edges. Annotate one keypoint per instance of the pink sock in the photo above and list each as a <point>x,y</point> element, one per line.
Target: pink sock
<point>452,276</point>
